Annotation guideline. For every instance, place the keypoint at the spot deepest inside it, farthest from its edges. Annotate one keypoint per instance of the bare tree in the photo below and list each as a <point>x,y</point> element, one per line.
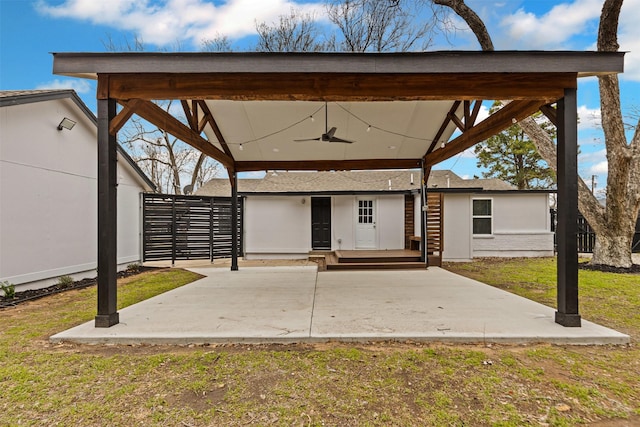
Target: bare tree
<point>167,161</point>
<point>220,43</point>
<point>614,223</point>
<point>361,26</point>
<point>375,25</point>
<point>295,32</point>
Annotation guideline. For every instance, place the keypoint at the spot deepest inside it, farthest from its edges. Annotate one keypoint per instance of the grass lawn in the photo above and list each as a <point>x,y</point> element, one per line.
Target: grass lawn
<point>325,384</point>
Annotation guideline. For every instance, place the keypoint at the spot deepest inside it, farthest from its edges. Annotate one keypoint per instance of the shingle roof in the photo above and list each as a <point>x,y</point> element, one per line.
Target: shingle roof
<point>11,93</point>
<point>347,181</point>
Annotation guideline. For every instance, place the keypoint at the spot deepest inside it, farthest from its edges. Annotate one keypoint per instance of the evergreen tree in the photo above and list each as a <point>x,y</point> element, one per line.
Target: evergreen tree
<point>512,157</point>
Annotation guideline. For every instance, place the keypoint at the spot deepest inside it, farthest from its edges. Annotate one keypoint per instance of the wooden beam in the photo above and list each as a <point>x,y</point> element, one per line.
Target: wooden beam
<point>214,125</point>
<point>193,121</point>
<point>158,117</point>
<point>495,123</point>
<point>443,126</point>
<point>341,87</point>
<point>121,119</point>
<point>452,117</point>
<point>327,165</point>
<point>550,113</point>
<point>474,114</point>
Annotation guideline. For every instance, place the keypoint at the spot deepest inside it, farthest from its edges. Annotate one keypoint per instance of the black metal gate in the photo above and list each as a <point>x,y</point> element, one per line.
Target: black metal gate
<point>587,237</point>
<point>188,227</point>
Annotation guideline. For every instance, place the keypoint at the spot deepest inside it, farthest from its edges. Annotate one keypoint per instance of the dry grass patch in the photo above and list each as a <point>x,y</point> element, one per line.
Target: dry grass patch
<point>377,384</point>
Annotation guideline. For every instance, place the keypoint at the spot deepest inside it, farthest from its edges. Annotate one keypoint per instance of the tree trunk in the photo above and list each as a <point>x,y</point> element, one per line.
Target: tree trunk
<point>614,224</point>
<point>611,248</point>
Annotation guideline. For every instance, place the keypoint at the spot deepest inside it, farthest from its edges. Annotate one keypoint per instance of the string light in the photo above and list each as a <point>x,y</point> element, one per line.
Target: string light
<point>312,118</point>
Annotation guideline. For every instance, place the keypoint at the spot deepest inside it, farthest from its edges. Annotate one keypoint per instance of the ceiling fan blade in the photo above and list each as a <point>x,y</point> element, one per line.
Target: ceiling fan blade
<point>336,139</point>
<point>306,139</point>
<point>331,132</point>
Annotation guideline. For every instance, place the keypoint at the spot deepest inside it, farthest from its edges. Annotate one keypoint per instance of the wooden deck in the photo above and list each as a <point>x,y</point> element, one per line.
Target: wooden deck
<point>374,260</point>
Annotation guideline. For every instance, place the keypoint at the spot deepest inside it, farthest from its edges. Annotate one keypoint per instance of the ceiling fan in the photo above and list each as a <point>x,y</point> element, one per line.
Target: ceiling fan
<point>328,135</point>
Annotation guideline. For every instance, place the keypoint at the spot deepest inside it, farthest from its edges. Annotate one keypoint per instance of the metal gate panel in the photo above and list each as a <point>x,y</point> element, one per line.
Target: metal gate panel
<point>188,227</point>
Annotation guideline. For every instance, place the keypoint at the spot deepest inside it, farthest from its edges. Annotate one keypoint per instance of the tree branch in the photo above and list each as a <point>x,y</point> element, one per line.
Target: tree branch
<point>472,19</point>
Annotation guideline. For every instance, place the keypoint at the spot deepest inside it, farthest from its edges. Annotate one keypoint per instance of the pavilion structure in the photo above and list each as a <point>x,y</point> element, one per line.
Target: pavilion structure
<point>278,111</point>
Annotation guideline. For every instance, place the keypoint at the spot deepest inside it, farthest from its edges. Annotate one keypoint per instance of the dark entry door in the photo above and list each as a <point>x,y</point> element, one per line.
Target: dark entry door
<point>321,223</point>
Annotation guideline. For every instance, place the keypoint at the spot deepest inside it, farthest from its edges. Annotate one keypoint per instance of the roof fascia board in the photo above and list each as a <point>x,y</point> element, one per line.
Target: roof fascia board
<point>322,193</point>
<point>463,62</point>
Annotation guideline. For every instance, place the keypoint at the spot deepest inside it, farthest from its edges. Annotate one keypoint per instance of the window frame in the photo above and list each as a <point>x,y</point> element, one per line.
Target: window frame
<point>489,216</point>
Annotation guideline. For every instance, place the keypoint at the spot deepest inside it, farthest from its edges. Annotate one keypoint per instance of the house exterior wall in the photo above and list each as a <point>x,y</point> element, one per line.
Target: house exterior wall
<point>457,228</point>
<point>521,227</point>
<point>48,196</point>
<point>280,226</point>
<point>277,227</point>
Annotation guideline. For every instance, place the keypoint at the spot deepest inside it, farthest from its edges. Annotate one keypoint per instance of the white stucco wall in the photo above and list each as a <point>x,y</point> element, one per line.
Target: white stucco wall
<point>277,227</point>
<point>280,226</point>
<point>343,217</point>
<point>48,196</point>
<point>457,228</point>
<point>521,227</point>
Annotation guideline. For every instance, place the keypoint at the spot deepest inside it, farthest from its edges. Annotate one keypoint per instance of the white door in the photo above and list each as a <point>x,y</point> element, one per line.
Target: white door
<point>366,224</point>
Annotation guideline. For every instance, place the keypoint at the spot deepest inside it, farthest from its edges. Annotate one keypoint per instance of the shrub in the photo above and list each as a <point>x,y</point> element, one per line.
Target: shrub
<point>133,268</point>
<point>65,281</point>
<point>9,289</point>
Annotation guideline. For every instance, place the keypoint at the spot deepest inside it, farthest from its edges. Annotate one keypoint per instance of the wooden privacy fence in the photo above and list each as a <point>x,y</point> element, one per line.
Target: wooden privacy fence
<point>587,237</point>
<point>188,227</point>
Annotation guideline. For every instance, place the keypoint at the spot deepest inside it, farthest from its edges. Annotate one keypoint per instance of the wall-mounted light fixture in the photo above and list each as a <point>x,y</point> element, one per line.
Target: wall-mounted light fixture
<point>66,123</point>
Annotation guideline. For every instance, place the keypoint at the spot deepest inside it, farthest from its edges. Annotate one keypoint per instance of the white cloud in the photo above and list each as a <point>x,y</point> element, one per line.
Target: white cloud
<point>468,154</point>
<point>164,22</point>
<point>593,156</point>
<point>80,86</point>
<point>554,28</point>
<point>629,40</point>
<point>590,118</point>
<point>601,167</point>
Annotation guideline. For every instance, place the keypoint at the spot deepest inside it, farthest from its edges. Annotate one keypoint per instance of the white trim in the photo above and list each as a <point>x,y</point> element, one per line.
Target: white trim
<point>54,273</point>
<point>356,207</point>
<point>490,216</point>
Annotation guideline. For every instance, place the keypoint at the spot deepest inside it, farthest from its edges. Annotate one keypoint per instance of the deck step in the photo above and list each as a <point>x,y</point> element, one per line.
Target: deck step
<point>376,266</point>
<point>381,260</point>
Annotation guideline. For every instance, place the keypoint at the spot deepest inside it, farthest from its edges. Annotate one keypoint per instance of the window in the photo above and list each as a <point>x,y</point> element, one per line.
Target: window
<point>482,216</point>
<point>365,211</point>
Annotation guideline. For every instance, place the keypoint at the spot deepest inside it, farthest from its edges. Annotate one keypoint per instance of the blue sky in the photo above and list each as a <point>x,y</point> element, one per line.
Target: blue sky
<point>30,30</point>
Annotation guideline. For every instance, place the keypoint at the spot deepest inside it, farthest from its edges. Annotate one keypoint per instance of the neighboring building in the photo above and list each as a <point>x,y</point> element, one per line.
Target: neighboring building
<point>48,190</point>
<point>288,214</point>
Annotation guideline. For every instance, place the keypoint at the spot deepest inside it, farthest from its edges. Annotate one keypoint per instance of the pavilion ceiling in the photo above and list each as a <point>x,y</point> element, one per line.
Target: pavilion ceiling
<point>401,110</point>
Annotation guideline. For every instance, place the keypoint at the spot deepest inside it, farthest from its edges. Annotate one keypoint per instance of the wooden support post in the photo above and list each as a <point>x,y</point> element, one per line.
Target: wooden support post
<point>233,176</point>
<point>423,217</point>
<point>107,215</point>
<point>567,230</point>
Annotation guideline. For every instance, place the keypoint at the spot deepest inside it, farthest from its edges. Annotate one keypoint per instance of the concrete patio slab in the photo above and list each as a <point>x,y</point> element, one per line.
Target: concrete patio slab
<point>298,304</point>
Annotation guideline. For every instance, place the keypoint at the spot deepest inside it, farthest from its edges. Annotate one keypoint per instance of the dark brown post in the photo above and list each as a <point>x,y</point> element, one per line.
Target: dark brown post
<point>107,215</point>
<point>567,230</point>
<point>423,229</point>
<point>233,176</point>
